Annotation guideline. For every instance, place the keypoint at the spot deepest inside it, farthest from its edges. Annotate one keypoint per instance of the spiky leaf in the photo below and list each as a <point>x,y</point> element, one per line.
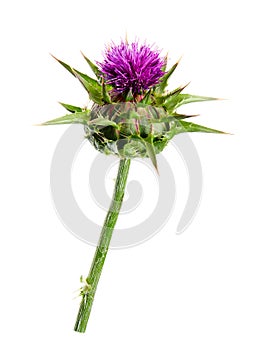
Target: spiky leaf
<point>177,100</point>
<point>170,118</point>
<point>74,118</point>
<point>162,99</point>
<point>164,80</point>
<point>86,80</point>
<point>71,108</point>
<point>151,154</point>
<point>94,68</point>
<point>184,126</point>
<point>92,86</point>
<point>105,94</point>
<point>65,65</point>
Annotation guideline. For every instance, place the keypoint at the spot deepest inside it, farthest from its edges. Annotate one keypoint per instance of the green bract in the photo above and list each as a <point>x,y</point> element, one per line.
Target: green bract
<point>136,126</point>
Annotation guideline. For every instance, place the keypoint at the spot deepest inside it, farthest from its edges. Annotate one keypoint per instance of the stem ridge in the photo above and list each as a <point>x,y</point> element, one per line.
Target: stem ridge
<point>88,291</point>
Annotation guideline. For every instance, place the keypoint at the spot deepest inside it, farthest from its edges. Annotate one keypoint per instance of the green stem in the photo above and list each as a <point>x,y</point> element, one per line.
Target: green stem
<point>88,292</point>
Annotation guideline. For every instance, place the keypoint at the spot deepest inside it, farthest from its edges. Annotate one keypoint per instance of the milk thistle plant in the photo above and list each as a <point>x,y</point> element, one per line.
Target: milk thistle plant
<point>133,114</point>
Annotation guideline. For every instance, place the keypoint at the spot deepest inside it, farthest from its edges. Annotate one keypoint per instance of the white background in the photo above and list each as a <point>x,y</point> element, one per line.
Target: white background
<point>189,291</point>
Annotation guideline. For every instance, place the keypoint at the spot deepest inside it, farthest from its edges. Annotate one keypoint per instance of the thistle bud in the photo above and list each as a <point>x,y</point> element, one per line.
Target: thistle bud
<point>133,113</point>
<point>124,129</point>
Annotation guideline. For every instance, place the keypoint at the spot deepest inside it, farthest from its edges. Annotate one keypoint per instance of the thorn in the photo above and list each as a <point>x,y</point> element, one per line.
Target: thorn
<point>54,57</point>
<point>179,59</point>
<point>228,133</point>
<point>84,56</point>
<point>157,171</point>
<point>221,99</point>
<point>184,86</point>
<point>179,89</point>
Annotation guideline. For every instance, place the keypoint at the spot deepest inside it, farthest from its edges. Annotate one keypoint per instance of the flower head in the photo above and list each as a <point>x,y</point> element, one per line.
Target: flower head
<point>133,113</point>
<point>132,67</point>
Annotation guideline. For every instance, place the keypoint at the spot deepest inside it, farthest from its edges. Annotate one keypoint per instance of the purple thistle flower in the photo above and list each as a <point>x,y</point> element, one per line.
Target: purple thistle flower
<point>132,67</point>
